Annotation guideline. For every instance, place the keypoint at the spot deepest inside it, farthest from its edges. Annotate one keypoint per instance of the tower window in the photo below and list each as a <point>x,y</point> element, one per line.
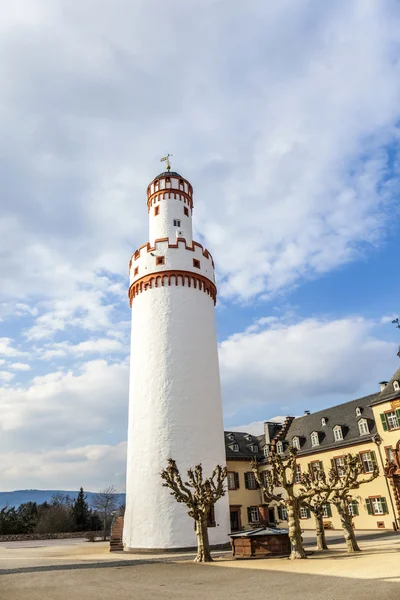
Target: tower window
<point>196,263</point>
<point>160,260</point>
<point>136,271</point>
<point>186,211</point>
<point>177,222</point>
<point>156,211</point>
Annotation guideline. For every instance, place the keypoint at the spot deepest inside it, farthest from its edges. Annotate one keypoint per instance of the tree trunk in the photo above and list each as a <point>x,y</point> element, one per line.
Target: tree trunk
<point>346,521</point>
<point>320,531</point>
<point>105,527</point>
<point>297,549</point>
<point>203,545</point>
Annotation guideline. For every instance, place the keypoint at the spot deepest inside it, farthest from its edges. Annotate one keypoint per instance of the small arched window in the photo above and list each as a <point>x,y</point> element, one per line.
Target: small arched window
<point>314,439</point>
<point>296,443</point>
<point>363,427</point>
<point>358,411</point>
<point>337,433</point>
<point>279,448</point>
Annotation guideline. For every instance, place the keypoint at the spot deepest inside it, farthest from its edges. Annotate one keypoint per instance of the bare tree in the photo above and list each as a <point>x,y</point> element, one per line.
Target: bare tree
<point>317,481</point>
<point>199,495</point>
<point>281,474</point>
<point>343,481</point>
<point>105,502</point>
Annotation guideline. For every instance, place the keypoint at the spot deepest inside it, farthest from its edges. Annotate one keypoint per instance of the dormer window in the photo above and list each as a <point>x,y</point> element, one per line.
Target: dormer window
<point>248,437</point>
<point>363,427</point>
<point>296,443</point>
<point>266,451</point>
<point>254,448</point>
<point>358,411</point>
<point>279,448</point>
<point>396,386</point>
<point>235,447</point>
<point>314,438</point>
<point>323,422</point>
<point>230,437</point>
<point>338,433</point>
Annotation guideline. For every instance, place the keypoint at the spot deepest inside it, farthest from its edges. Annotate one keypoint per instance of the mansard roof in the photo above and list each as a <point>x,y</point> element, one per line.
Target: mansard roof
<point>241,439</point>
<point>388,392</point>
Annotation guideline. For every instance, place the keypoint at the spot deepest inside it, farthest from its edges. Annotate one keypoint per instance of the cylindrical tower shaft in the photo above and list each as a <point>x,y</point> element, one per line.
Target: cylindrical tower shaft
<point>175,408</point>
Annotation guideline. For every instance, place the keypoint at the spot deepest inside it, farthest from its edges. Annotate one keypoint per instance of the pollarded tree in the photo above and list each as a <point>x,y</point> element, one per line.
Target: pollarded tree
<point>281,474</point>
<point>343,479</point>
<point>199,495</point>
<point>317,502</point>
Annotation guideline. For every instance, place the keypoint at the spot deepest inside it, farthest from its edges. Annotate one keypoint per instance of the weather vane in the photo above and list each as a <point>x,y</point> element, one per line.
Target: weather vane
<point>166,159</point>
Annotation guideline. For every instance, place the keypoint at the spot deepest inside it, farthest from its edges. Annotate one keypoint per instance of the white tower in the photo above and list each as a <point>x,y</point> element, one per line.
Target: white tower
<point>175,407</point>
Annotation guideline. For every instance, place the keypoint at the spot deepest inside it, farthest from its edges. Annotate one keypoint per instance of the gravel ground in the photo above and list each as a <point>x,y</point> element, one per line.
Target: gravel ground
<point>88,571</point>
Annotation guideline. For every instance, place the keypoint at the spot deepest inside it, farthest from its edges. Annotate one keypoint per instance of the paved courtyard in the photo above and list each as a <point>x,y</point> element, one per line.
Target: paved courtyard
<point>72,569</point>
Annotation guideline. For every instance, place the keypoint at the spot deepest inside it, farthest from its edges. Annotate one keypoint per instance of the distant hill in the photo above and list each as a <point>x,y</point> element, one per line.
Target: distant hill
<point>39,496</point>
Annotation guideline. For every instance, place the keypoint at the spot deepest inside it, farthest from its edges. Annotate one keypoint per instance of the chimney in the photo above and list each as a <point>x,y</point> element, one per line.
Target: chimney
<point>306,412</point>
<point>382,385</point>
<point>266,433</point>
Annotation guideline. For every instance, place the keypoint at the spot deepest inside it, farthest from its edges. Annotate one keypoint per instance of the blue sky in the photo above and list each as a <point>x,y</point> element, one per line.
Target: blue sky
<point>284,117</point>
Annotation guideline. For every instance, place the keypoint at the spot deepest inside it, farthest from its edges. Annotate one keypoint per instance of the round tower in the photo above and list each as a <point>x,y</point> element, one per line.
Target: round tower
<point>175,407</point>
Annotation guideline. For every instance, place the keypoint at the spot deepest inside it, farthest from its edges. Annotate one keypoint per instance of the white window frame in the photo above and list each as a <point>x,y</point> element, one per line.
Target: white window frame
<point>323,422</point>
<point>339,465</point>
<point>235,447</point>
<point>358,411</point>
<point>377,508</point>
<point>249,438</point>
<point>367,462</point>
<point>396,386</point>
<point>338,433</point>
<point>254,512</point>
<point>231,479</point>
<point>251,481</point>
<point>325,511</point>
<point>254,448</point>
<point>314,439</point>
<point>284,513</point>
<point>266,451</point>
<point>297,474</point>
<point>279,448</point>
<point>296,443</point>
<point>350,507</point>
<point>363,427</point>
<point>303,513</point>
<point>392,420</point>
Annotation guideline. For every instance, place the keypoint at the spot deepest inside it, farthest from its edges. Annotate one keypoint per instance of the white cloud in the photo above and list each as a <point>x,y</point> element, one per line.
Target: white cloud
<point>20,366</point>
<point>94,346</point>
<point>7,348</point>
<point>307,364</point>
<point>6,376</point>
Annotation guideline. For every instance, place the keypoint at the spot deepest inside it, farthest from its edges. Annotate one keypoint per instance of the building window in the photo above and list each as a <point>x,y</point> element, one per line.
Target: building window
<point>358,411</point>
<point>338,465</point>
<point>156,210</point>
<point>363,427</point>
<point>337,433</point>
<point>211,517</point>
<point>235,447</point>
<point>368,461</point>
<point>323,421</point>
<point>326,511</point>
<point>296,443</point>
<point>279,448</point>
<point>136,271</point>
<point>196,263</point>
<point>248,437</point>
<point>233,480</point>
<point>266,451</point>
<point>314,439</point>
<point>250,482</point>
<point>377,506</point>
<point>253,514</point>
<point>186,210</point>
<point>160,260</point>
<point>254,448</point>
<point>230,437</point>
<point>389,453</point>
<point>282,513</point>
<point>177,222</point>
<point>391,420</point>
<point>297,475</point>
<point>315,467</point>
<point>304,513</point>
<point>396,386</point>
<point>353,508</point>
<point>264,478</point>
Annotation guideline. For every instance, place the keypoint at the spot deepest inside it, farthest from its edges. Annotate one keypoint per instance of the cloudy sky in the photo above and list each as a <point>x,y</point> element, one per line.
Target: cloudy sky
<point>284,116</point>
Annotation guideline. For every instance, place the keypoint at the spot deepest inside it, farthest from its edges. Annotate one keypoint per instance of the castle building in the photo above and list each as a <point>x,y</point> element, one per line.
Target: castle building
<point>175,406</point>
<point>368,427</point>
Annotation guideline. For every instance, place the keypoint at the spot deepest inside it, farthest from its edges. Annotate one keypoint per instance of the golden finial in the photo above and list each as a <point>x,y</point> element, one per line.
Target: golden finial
<point>166,159</point>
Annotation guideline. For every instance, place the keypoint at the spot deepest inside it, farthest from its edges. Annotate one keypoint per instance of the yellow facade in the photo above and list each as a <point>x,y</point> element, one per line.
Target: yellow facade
<point>375,501</point>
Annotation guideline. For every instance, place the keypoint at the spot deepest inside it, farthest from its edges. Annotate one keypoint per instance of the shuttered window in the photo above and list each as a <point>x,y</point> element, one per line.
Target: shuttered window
<point>233,480</point>
<point>250,481</point>
<point>368,460</point>
<point>376,506</point>
<point>253,514</point>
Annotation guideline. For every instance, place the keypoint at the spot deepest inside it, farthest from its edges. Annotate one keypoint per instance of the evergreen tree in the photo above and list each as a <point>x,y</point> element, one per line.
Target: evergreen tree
<point>81,512</point>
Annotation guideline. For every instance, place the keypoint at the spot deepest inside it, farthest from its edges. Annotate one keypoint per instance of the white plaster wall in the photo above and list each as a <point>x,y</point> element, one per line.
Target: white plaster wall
<point>162,225</point>
<point>175,410</point>
<point>175,258</point>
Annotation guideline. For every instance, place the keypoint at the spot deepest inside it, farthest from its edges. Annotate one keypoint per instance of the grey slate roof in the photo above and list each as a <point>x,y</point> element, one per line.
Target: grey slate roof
<point>168,173</point>
<point>245,452</point>
<point>389,393</point>
<point>344,415</point>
